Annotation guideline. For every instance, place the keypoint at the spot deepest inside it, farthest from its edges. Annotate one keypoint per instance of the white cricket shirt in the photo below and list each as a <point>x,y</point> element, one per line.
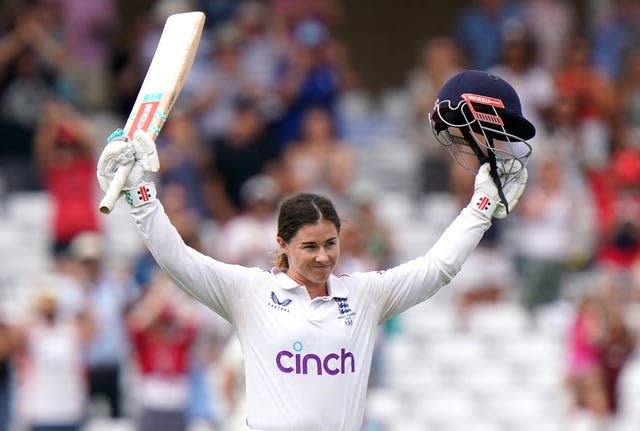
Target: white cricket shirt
<point>306,361</point>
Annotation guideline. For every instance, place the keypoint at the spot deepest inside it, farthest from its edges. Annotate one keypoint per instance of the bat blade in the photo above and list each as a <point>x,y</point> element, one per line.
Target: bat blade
<point>161,87</point>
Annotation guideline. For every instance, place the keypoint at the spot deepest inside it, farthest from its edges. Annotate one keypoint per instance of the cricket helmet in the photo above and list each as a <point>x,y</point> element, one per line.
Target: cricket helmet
<point>478,118</point>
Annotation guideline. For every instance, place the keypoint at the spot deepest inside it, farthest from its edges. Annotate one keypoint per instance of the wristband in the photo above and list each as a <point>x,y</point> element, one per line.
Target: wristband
<point>483,203</point>
<point>141,194</point>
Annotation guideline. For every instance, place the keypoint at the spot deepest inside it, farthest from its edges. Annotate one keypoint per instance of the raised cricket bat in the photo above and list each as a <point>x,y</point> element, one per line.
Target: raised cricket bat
<point>162,84</point>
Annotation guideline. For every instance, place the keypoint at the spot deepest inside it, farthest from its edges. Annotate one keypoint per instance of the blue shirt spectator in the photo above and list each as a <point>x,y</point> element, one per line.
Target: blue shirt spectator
<point>481,28</point>
<point>615,37</point>
<point>309,79</point>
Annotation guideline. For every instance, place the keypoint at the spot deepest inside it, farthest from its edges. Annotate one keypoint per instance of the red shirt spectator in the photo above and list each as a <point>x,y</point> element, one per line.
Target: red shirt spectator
<point>64,151</point>
<point>162,334</point>
<point>618,194</point>
<point>164,348</point>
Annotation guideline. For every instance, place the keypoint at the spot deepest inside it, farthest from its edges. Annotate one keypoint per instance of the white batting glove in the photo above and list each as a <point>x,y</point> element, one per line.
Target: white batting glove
<point>145,150</point>
<point>513,189</point>
<point>486,198</point>
<point>140,155</point>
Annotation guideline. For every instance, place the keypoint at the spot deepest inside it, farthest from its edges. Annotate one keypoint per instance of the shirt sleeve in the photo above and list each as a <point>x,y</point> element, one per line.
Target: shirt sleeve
<point>213,283</point>
<point>413,282</point>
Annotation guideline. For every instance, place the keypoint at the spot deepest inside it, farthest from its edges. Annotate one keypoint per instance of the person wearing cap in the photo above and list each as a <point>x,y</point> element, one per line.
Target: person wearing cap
<point>108,297</point>
<point>307,334</point>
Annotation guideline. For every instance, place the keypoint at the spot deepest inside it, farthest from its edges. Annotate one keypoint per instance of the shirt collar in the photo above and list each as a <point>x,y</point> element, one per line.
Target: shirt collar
<point>283,280</point>
<point>336,286</point>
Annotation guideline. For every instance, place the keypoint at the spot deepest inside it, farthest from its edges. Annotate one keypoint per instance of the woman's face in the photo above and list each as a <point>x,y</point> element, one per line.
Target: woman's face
<point>313,253</point>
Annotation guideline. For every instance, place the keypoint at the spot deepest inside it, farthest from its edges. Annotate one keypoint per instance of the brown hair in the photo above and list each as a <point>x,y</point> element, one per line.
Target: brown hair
<point>299,210</point>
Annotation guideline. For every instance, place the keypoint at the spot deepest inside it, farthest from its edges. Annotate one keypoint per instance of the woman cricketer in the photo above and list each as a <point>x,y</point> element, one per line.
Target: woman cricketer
<point>307,334</point>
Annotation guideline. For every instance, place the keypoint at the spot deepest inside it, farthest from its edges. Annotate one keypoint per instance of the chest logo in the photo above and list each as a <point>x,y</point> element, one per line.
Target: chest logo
<point>280,305</point>
<point>344,311</point>
<point>343,306</point>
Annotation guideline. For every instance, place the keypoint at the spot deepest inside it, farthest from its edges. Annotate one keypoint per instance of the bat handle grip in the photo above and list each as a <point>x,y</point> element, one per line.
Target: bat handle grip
<point>109,200</point>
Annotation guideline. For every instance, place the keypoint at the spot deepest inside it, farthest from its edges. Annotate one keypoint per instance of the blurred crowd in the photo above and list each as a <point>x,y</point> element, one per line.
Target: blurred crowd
<point>261,117</point>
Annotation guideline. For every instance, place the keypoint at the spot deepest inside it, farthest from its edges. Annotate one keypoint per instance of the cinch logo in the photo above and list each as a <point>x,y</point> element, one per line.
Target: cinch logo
<point>310,363</point>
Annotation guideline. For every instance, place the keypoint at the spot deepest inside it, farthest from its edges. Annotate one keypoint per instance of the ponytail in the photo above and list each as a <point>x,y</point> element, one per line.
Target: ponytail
<point>282,261</point>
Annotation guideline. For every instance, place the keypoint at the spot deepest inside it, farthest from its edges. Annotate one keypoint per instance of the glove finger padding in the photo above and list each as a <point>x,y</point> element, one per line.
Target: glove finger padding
<point>512,192</point>
<point>115,154</point>
<point>145,151</point>
<point>486,198</point>
<point>509,170</point>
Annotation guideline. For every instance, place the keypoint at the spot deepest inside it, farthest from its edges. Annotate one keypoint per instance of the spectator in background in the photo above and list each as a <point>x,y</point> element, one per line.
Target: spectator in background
<point>439,59</point>
<point>353,255</point>
<point>481,27</point>
<point>261,55</point>
<point>163,331</point>
<point>310,78</point>
<point>633,303</point>
<point>594,96</point>
<point>129,63</point>
<point>615,37</point>
<point>288,13</point>
<point>547,233</point>
<point>584,373</point>
<point>87,29</point>
<point>247,239</point>
<point>550,23</point>
<point>620,341</point>
<point>629,95</point>
<point>37,27</point>
<point>378,240</point>
<point>185,219</point>
<point>217,11</point>
<point>31,60</point>
<point>319,161</point>
<point>518,66</point>
<point>65,158</point>
<point>107,294</point>
<point>560,140</point>
<point>232,383</point>
<point>561,135</point>
<point>619,209</point>
<point>213,101</point>
<point>52,379</point>
<point>20,104</point>
<point>183,159</point>
<point>248,150</point>
<point>9,345</point>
